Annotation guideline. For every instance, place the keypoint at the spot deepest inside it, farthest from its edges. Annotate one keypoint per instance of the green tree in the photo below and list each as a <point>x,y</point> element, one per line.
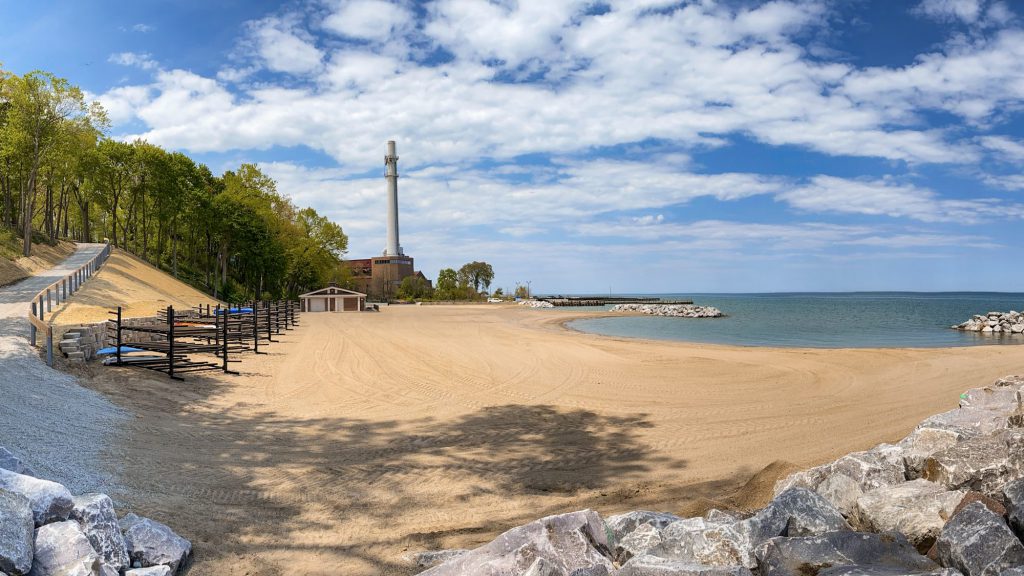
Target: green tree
<point>41,109</point>
<point>447,285</point>
<point>413,288</point>
<point>522,291</point>
<point>477,274</point>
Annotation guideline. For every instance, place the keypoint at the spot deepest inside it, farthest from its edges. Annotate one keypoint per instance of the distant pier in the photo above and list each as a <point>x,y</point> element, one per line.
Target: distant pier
<point>603,300</point>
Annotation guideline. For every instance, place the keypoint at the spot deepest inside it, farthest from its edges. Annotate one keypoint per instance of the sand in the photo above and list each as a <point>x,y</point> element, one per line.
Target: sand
<point>363,437</point>
<point>43,257</point>
<point>130,282</point>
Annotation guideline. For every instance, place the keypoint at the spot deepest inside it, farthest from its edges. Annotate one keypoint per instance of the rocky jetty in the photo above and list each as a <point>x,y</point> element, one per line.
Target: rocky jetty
<point>1011,322</point>
<point>674,310</point>
<point>947,500</point>
<point>45,531</point>
<point>536,304</point>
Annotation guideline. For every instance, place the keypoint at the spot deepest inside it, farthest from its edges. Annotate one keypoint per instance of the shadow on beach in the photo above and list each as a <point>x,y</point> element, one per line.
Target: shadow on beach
<point>252,489</point>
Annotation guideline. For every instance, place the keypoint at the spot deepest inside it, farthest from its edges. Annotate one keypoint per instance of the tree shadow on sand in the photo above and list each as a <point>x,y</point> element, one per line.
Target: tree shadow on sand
<point>252,491</point>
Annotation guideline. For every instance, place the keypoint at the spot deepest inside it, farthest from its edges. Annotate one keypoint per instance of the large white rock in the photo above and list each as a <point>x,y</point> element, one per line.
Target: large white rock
<point>732,544</point>
<point>844,481</point>
<point>151,543</point>
<point>984,463</point>
<point>50,501</point>
<point>917,509</point>
<point>621,525</point>
<point>978,543</point>
<point>570,542</point>
<point>95,515</point>
<point>968,421</point>
<point>16,533</point>
<point>1003,399</point>
<point>61,549</point>
<point>637,542</point>
<point>923,442</point>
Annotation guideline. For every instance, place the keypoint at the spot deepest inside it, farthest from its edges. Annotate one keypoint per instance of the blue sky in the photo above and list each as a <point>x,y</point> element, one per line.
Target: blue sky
<point>636,146</point>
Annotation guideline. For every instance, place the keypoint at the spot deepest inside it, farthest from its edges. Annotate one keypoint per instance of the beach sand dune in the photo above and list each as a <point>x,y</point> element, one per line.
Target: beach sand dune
<point>363,437</point>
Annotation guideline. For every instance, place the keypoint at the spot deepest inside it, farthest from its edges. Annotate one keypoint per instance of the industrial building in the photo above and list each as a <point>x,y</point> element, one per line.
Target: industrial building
<point>380,276</point>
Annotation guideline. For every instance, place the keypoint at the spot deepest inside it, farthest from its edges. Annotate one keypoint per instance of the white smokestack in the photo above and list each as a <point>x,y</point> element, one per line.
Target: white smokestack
<point>391,175</point>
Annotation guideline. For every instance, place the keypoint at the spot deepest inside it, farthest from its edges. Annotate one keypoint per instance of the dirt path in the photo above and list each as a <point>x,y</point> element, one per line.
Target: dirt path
<point>61,429</point>
<point>360,438</point>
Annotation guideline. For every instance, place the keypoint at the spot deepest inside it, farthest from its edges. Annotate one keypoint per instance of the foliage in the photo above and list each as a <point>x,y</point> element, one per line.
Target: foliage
<point>476,274</point>
<point>235,234</point>
<point>464,284</point>
<point>414,288</point>
<point>447,285</point>
<point>522,291</point>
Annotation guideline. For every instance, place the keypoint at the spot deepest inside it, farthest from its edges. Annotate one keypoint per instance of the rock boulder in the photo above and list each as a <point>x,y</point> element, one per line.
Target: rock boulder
<point>570,542</point>
<point>50,501</point>
<point>1013,495</point>
<point>917,509</point>
<point>16,533</point>
<point>95,515</point>
<point>978,543</point>
<point>984,463</point>
<point>841,552</point>
<point>620,525</point>
<point>151,543</point>
<point>63,550</point>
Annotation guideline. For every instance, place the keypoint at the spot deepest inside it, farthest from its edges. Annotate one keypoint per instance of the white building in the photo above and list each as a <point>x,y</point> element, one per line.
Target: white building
<point>333,299</point>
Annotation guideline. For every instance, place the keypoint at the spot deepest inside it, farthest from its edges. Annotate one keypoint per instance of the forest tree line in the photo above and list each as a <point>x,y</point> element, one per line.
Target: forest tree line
<point>233,235</point>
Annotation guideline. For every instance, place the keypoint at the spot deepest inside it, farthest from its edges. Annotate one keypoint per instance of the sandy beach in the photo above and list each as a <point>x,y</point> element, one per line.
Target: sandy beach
<point>363,437</point>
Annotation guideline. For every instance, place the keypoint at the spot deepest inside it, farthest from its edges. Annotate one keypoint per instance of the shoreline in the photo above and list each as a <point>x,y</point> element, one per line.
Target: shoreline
<point>564,324</point>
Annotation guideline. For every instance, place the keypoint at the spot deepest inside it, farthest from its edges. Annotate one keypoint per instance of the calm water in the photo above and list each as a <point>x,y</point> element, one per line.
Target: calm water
<point>823,320</point>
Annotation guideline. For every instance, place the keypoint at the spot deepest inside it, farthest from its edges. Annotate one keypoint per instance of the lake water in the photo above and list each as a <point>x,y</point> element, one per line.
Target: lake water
<point>822,320</point>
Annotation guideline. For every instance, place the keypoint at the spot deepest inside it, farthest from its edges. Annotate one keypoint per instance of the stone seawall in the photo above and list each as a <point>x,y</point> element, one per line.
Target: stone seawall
<point>673,310</point>
<point>1011,322</point>
<point>947,500</point>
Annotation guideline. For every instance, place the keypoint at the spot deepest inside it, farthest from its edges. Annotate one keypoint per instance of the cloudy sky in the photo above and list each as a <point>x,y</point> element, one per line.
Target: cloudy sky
<point>588,146</point>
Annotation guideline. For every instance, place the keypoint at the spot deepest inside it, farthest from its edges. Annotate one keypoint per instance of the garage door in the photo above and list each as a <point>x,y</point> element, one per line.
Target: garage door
<point>317,304</point>
<point>351,304</point>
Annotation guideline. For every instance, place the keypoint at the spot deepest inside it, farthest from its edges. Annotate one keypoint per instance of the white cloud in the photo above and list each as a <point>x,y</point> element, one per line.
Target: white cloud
<point>139,60</point>
<point>690,77</point>
<point>950,10</point>
<point>122,103</point>
<point>282,49</point>
<point>369,19</point>
<point>825,194</point>
<point>1008,148</point>
<point>975,81</point>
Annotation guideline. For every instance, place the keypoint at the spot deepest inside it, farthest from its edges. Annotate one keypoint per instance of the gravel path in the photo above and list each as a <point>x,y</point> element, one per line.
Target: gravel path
<point>59,428</point>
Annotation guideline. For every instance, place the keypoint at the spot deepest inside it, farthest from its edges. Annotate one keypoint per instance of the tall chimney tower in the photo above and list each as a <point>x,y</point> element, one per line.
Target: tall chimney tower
<point>391,175</point>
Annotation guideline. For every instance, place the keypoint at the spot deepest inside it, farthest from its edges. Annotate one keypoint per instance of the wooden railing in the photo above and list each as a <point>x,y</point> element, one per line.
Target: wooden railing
<point>57,293</point>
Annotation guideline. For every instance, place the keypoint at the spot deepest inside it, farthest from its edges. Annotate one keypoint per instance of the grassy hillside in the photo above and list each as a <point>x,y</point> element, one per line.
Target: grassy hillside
<point>126,281</point>
<point>14,267</point>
